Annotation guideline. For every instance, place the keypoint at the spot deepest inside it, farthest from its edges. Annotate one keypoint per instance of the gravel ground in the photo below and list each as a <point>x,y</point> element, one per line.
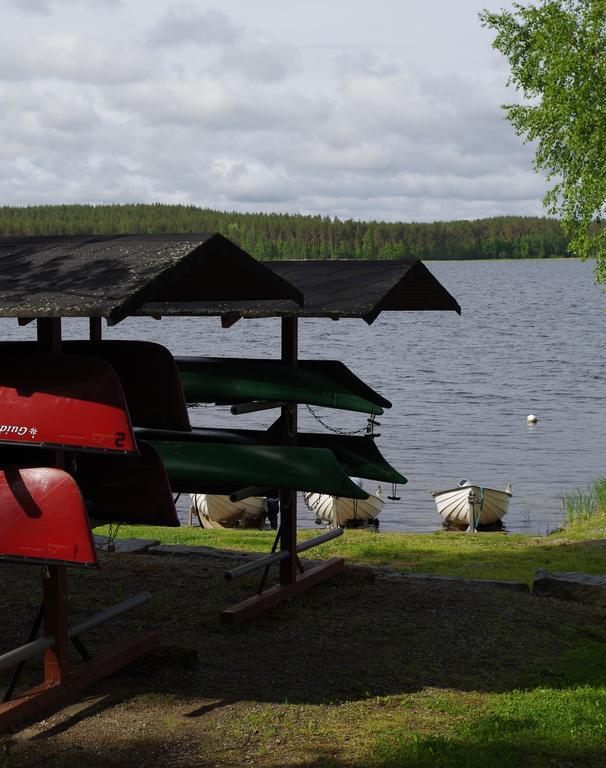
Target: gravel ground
<point>358,638</point>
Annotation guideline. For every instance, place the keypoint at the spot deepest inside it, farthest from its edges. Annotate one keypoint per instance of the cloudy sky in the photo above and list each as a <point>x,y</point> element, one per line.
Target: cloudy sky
<point>386,109</point>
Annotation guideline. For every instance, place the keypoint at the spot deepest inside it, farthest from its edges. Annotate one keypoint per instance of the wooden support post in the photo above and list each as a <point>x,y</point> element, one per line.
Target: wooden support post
<point>49,334</point>
<point>56,658</point>
<point>288,498</point>
<point>95,329</point>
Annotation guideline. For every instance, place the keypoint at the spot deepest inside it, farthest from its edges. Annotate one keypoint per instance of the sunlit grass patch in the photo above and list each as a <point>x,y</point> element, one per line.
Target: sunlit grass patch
<point>513,557</point>
<point>538,727</point>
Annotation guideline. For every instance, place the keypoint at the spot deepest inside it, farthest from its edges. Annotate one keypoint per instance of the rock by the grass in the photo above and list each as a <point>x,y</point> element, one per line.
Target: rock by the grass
<point>579,587</point>
<point>190,550</point>
<point>202,552</point>
<point>390,575</point>
<point>126,546</point>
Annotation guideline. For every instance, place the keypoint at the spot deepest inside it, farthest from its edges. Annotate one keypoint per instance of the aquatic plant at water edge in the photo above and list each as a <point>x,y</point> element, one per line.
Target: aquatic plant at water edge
<point>580,505</point>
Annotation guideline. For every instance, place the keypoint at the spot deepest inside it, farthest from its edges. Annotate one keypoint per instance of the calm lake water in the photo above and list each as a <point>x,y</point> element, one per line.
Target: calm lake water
<point>530,340</point>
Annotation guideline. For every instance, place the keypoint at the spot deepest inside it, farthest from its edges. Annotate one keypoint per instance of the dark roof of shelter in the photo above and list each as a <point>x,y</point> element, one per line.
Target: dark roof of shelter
<point>112,276</point>
<point>335,289</point>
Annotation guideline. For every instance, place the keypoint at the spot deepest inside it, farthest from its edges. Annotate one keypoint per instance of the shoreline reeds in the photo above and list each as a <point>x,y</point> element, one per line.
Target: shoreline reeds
<point>581,505</point>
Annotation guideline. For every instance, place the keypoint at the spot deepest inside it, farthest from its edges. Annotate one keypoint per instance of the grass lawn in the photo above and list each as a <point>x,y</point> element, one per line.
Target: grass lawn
<point>360,671</point>
<point>581,547</point>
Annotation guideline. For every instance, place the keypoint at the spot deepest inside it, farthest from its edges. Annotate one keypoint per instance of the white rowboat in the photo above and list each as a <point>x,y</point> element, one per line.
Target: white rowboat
<point>338,511</point>
<point>470,505</point>
<point>214,511</point>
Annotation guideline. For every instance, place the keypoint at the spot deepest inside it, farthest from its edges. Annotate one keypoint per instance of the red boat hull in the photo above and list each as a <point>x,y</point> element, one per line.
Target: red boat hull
<point>43,518</point>
<point>127,489</point>
<point>147,371</point>
<point>74,403</point>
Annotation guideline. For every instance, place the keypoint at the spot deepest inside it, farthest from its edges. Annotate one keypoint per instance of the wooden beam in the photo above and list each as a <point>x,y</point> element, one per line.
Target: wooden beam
<point>273,596</point>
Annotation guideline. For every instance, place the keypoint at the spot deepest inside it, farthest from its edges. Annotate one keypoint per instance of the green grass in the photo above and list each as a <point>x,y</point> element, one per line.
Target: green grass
<point>558,725</point>
<point>530,728</point>
<point>356,673</point>
<point>550,716</point>
<point>481,556</point>
<point>582,505</point>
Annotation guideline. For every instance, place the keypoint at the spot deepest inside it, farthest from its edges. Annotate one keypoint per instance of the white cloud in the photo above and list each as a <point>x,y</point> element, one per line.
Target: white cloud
<point>46,7</point>
<point>72,57</point>
<point>250,182</point>
<point>260,59</point>
<point>202,107</point>
<point>201,103</point>
<point>185,23</point>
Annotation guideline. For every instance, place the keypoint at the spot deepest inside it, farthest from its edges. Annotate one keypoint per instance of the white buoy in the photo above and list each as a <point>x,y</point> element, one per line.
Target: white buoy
<point>531,418</point>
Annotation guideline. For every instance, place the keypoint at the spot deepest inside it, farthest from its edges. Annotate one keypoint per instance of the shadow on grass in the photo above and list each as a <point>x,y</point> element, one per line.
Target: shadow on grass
<point>351,638</point>
<point>348,640</point>
<point>525,749</point>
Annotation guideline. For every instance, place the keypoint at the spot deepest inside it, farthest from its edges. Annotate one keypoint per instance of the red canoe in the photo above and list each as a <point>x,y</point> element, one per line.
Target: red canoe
<point>147,371</point>
<point>127,489</point>
<point>43,518</point>
<point>76,403</point>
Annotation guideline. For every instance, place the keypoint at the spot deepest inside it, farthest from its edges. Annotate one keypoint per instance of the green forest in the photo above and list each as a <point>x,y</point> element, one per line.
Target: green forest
<point>292,236</point>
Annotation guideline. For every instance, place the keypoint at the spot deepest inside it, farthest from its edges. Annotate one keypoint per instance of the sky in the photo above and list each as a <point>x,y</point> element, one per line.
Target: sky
<point>386,110</point>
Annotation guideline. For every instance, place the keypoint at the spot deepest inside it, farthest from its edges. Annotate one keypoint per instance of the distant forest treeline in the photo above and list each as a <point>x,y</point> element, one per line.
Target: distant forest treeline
<point>290,236</point>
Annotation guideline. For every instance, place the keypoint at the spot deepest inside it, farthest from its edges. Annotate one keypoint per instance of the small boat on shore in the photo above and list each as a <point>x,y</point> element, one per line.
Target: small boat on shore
<point>217,511</point>
<point>469,505</point>
<point>337,511</point>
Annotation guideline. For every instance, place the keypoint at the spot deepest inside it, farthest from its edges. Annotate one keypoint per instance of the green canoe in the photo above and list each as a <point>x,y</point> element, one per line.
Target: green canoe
<point>202,467</point>
<point>358,456</point>
<point>326,383</point>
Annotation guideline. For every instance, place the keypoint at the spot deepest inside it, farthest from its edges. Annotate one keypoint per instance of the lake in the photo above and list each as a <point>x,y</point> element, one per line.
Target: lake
<point>530,340</point>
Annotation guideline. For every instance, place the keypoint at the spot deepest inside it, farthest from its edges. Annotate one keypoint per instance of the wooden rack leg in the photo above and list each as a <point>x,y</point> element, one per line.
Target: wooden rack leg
<point>56,659</point>
<point>288,537</point>
<point>60,681</point>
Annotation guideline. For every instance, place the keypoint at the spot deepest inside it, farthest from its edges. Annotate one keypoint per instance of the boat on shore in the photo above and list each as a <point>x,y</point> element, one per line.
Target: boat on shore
<point>217,511</point>
<point>470,506</point>
<point>336,511</point>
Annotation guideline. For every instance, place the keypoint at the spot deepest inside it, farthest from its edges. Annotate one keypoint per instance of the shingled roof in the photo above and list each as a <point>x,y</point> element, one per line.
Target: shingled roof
<point>113,276</point>
<point>334,289</point>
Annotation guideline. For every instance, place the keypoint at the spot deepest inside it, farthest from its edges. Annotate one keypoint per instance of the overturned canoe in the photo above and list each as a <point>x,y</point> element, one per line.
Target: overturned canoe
<point>43,518</point>
<point>201,467</point>
<point>236,380</point>
<point>359,456</point>
<point>127,489</point>
<point>75,403</point>
<point>132,488</point>
<point>146,370</point>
